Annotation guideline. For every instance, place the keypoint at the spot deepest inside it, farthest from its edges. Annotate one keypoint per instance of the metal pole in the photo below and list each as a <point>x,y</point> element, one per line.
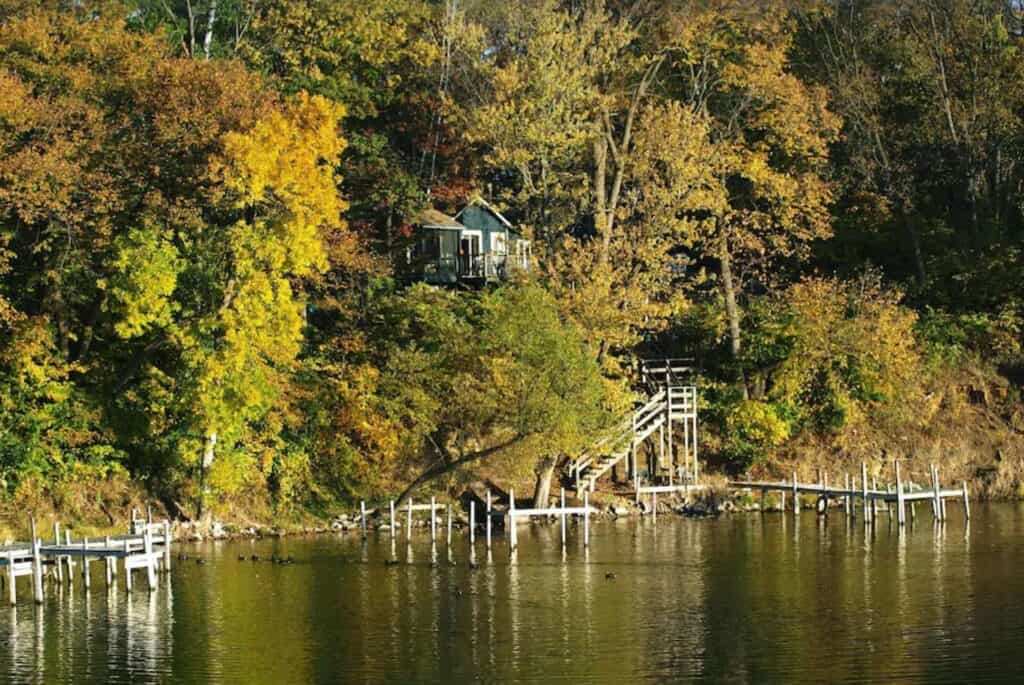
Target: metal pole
<point>472,521</point>
<point>563,517</point>
<point>488,519</point>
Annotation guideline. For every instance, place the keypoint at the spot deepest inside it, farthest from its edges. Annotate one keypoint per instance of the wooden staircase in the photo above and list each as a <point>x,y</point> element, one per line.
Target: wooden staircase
<point>669,403</point>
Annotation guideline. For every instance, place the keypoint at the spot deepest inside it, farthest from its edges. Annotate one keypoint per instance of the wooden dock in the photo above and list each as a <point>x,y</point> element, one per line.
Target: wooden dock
<point>147,546</point>
<point>897,494</point>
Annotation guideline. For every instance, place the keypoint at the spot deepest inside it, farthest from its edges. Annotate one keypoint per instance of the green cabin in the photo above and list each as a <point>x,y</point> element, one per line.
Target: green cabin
<point>477,245</point>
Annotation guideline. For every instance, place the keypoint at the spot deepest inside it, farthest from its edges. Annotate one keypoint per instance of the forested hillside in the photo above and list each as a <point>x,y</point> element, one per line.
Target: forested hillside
<point>203,204</point>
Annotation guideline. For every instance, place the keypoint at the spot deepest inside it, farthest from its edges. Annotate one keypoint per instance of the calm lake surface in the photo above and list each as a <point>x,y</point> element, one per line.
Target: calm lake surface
<point>736,599</point>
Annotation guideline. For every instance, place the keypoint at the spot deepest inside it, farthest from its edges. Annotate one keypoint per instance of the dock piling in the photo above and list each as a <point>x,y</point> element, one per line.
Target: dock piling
<point>167,546</point>
<point>85,564</point>
<point>512,542</point>
<point>967,504</point>
<point>408,520</point>
<point>433,520</point>
<point>37,564</point>
<point>586,520</point>
<point>448,534</point>
<point>488,520</point>
<point>563,517</point>
<point>391,517</point>
<point>901,514</point>
<point>127,567</point>
<point>472,522</point>
<point>12,593</point>
<point>362,517</point>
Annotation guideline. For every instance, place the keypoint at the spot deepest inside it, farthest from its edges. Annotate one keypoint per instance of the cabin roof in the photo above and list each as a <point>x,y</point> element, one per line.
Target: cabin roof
<point>431,218</point>
<point>480,202</point>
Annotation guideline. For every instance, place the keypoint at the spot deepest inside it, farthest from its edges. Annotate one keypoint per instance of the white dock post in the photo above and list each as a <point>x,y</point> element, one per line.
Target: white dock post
<point>796,496</point>
<point>85,564</point>
<point>938,491</point>
<point>362,517</point>
<point>69,561</point>
<point>58,564</point>
<point>12,592</point>
<point>782,501</point>
<point>967,504</point>
<point>147,543</point>
<point>391,512</point>
<point>127,567</point>
<point>934,499</point>
<point>874,500</point>
<point>433,521</point>
<point>846,500</point>
<point>488,519</point>
<point>586,519</point>
<point>108,564</point>
<point>167,546</point>
<point>901,513</point>
<point>448,539</point>
<point>37,569</point>
<point>37,564</point>
<point>654,507</point>
<point>864,491</point>
<point>472,521</point>
<point>408,520</point>
<point>512,542</point>
<point>762,501</point>
<point>563,517</point>
<point>936,504</point>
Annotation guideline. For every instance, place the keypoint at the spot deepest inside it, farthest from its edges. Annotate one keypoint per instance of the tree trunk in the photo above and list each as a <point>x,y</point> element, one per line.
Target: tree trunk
<point>729,293</point>
<point>211,19</point>
<point>915,248</point>
<point>447,467</point>
<point>209,452</point>
<point>542,490</point>
<point>600,179</point>
<point>732,311</point>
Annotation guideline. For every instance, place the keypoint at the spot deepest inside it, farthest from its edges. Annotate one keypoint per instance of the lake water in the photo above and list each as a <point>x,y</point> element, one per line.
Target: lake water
<point>741,599</point>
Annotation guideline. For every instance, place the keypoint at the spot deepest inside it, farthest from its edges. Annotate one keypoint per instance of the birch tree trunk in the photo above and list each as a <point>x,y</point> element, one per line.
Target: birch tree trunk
<point>209,452</point>
<point>211,19</point>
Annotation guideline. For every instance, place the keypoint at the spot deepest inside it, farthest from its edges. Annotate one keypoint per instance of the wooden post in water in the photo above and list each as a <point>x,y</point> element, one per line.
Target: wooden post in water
<point>488,519</point>
<point>936,506</point>
<point>408,520</point>
<point>967,504</point>
<point>37,564</point>
<point>12,592</point>
<point>391,517</point>
<point>511,520</point>
<point>762,501</point>
<point>472,521</point>
<point>167,546</point>
<point>586,519</point>
<point>782,501</point>
<point>147,545</point>
<point>874,500</point>
<point>85,564</point>
<point>864,491</point>
<point>938,493</point>
<point>362,517</point>
<point>58,564</point>
<point>654,506</point>
<point>433,521</point>
<point>127,568</point>
<point>563,518</point>
<point>68,560</point>
<point>108,563</point>
<point>448,533</point>
<point>901,514</point>
<point>796,497</point>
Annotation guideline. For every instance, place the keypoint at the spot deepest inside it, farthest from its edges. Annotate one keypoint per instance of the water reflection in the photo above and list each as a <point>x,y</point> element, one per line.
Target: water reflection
<point>772,598</point>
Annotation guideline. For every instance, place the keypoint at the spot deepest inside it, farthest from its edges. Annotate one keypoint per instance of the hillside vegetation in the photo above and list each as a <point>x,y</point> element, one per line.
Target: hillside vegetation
<point>202,204</point>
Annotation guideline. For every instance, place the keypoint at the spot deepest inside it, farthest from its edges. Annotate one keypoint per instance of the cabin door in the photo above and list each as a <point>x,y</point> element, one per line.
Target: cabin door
<point>469,253</point>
